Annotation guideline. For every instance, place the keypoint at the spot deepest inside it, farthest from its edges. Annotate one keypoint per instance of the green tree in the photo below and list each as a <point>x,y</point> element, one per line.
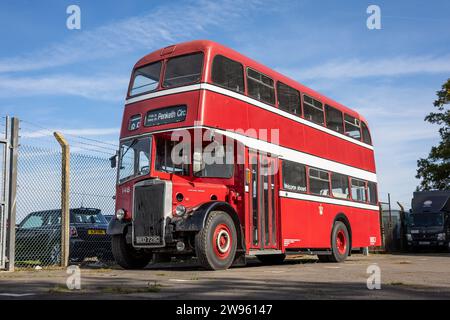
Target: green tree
<point>434,171</point>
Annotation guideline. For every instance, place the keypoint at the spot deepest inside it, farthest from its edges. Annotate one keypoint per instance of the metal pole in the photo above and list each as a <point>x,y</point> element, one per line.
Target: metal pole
<point>65,210</point>
<point>390,213</point>
<point>14,146</point>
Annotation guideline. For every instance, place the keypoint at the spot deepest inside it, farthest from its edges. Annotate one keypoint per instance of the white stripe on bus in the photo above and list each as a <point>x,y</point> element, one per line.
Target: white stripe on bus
<point>340,202</point>
<point>300,157</point>
<point>163,93</point>
<point>230,93</point>
<point>282,152</point>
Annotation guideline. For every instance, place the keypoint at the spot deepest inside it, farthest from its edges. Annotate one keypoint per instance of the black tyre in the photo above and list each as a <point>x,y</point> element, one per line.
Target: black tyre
<point>128,257</point>
<point>340,242</point>
<point>271,258</point>
<point>216,243</point>
<point>54,255</point>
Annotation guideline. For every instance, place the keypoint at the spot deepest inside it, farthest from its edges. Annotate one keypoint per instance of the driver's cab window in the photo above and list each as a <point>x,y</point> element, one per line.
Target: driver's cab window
<point>134,158</point>
<point>171,157</point>
<point>144,162</point>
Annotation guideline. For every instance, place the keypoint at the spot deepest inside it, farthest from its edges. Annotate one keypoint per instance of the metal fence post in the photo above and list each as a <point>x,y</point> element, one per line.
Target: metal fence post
<point>65,210</point>
<point>14,145</point>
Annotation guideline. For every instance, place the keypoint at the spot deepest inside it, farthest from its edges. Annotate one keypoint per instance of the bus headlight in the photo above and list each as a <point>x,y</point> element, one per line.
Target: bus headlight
<point>120,214</point>
<point>408,237</point>
<point>180,210</point>
<point>441,236</point>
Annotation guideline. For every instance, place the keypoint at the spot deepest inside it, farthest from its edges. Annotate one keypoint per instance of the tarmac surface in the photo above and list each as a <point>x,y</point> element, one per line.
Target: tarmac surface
<point>403,276</point>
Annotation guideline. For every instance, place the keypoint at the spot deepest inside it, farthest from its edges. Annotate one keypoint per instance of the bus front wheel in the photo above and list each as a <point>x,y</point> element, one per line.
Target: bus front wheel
<point>128,257</point>
<point>216,243</point>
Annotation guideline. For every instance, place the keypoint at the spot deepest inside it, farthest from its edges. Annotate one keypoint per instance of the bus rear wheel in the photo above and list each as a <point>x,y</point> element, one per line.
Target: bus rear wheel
<point>126,256</point>
<point>216,243</point>
<point>271,258</point>
<point>340,243</point>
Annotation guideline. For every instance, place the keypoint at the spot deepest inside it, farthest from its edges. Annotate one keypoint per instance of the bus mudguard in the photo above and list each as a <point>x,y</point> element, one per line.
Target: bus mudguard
<point>116,227</point>
<point>197,219</point>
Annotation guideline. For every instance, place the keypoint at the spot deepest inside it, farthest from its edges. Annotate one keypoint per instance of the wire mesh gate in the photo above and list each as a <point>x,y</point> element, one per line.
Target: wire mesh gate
<point>38,236</point>
<point>4,173</point>
<point>7,143</point>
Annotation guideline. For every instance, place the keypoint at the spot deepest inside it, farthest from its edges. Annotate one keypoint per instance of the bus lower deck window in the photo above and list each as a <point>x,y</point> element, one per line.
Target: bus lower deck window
<point>319,182</point>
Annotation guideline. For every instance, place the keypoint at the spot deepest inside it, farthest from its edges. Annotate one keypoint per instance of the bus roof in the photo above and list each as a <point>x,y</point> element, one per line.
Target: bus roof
<point>214,48</point>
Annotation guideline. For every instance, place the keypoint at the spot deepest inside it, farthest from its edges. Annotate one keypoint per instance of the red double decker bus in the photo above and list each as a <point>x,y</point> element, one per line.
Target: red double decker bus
<point>298,170</point>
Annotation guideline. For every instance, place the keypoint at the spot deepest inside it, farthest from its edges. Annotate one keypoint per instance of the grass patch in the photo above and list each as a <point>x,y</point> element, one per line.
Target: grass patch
<point>61,289</point>
<point>152,287</point>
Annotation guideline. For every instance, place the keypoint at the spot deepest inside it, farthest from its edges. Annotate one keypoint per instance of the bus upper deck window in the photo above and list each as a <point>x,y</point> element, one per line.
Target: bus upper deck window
<point>365,133</point>
<point>260,86</point>
<point>288,99</point>
<point>352,127</point>
<point>146,78</point>
<point>313,110</point>
<point>183,70</point>
<point>228,73</point>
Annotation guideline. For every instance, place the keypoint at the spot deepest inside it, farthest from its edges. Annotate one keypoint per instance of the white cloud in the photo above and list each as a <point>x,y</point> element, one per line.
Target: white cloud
<point>386,67</point>
<point>85,132</point>
<point>97,87</point>
<point>165,24</point>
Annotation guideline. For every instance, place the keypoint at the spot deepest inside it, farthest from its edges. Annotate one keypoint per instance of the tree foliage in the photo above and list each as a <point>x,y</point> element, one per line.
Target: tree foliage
<point>434,171</point>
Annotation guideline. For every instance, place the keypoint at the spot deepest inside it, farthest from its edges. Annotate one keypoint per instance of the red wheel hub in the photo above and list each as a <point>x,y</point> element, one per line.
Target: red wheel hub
<point>222,241</point>
<point>341,242</point>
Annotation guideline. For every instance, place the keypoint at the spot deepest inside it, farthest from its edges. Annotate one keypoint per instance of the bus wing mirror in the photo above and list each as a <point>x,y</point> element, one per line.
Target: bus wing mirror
<point>197,163</point>
<point>113,161</point>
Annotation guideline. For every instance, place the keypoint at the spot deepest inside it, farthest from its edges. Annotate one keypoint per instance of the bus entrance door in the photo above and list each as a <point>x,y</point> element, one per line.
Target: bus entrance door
<point>263,199</point>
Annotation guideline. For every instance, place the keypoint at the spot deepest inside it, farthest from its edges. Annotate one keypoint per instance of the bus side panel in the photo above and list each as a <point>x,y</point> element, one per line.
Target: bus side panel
<point>295,223</point>
<point>229,113</point>
<point>359,225</point>
<point>365,227</point>
<point>308,224</point>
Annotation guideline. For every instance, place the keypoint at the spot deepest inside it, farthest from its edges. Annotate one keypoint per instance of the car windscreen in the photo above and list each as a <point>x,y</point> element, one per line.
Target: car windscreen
<point>87,216</point>
<point>426,220</point>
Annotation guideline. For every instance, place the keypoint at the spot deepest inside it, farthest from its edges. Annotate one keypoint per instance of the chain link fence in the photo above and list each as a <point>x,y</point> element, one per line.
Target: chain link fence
<point>38,215</point>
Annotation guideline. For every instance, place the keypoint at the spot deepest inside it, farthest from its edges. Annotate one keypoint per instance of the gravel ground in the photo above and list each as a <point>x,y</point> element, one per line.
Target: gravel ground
<point>419,276</point>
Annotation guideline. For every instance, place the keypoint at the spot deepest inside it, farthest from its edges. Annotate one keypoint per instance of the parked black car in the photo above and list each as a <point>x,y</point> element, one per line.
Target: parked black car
<point>38,236</point>
<point>108,217</point>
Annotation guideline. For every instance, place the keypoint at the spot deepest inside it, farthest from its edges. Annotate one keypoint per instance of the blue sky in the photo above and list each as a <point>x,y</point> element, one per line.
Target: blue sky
<point>75,80</point>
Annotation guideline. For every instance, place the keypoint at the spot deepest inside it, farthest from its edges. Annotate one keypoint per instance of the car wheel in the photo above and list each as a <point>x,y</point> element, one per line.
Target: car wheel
<point>128,257</point>
<point>216,243</point>
<point>76,259</point>
<point>55,254</point>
